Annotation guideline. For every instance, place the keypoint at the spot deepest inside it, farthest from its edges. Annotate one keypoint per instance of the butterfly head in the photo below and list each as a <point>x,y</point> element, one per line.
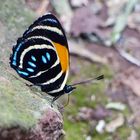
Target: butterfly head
<point>68,89</point>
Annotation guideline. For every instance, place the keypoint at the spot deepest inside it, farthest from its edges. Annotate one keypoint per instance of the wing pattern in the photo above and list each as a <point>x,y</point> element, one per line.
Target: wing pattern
<point>41,55</point>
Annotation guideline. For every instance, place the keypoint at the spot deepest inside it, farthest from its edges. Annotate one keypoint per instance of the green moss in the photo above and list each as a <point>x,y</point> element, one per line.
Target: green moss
<point>14,19</point>
<point>19,105</point>
<point>78,133</point>
<point>82,97</point>
<point>15,13</point>
<point>83,92</point>
<point>124,132</point>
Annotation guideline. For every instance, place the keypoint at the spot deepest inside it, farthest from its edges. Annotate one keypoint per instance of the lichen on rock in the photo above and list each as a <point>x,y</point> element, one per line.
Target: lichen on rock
<point>23,114</point>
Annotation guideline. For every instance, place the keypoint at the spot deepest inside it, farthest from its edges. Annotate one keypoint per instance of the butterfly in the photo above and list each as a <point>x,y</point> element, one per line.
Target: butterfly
<point>41,56</point>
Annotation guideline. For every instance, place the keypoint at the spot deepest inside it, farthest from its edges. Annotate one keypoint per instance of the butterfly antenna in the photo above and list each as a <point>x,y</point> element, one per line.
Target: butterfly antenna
<point>89,80</point>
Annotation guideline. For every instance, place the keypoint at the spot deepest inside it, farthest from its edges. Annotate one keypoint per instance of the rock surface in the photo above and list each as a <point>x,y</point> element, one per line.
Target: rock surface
<point>23,114</point>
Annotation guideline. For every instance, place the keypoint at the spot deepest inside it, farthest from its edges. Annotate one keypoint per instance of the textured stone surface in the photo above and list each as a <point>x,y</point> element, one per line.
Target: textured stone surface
<point>23,113</point>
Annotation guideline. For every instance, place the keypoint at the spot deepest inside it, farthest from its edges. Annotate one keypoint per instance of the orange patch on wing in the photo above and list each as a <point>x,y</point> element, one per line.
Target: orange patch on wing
<point>63,56</point>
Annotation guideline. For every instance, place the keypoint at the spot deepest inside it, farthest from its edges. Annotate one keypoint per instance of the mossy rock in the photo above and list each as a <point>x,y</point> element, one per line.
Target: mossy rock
<point>20,106</point>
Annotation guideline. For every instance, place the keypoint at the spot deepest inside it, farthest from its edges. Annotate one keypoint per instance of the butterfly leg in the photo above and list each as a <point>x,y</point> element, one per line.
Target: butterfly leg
<point>54,99</point>
<point>29,85</point>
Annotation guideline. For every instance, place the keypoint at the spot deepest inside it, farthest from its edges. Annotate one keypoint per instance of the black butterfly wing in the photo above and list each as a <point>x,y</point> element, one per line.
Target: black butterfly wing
<point>33,57</point>
<point>47,26</point>
<point>41,55</point>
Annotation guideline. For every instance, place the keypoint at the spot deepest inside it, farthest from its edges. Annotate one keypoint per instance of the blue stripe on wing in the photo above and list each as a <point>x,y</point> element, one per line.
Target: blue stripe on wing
<point>32,64</point>
<point>48,56</point>
<point>33,58</point>
<point>44,59</point>
<point>30,69</point>
<point>22,73</point>
<point>15,54</point>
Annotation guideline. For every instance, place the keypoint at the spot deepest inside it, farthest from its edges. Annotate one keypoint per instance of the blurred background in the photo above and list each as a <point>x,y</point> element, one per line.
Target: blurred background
<point>103,38</point>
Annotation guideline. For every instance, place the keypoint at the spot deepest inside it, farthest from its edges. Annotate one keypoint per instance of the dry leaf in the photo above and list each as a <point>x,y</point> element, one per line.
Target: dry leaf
<point>132,80</point>
<point>85,53</point>
<point>114,124</point>
<point>116,106</point>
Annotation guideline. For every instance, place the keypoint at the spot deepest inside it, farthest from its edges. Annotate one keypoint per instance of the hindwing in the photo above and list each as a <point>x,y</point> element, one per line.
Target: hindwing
<point>41,55</point>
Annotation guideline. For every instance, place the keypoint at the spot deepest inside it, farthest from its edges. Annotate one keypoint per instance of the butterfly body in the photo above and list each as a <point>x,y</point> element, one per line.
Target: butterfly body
<point>41,56</point>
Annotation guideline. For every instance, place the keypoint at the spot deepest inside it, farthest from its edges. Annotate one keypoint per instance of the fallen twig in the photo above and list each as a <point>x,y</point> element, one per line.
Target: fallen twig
<point>81,51</point>
<point>128,57</point>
